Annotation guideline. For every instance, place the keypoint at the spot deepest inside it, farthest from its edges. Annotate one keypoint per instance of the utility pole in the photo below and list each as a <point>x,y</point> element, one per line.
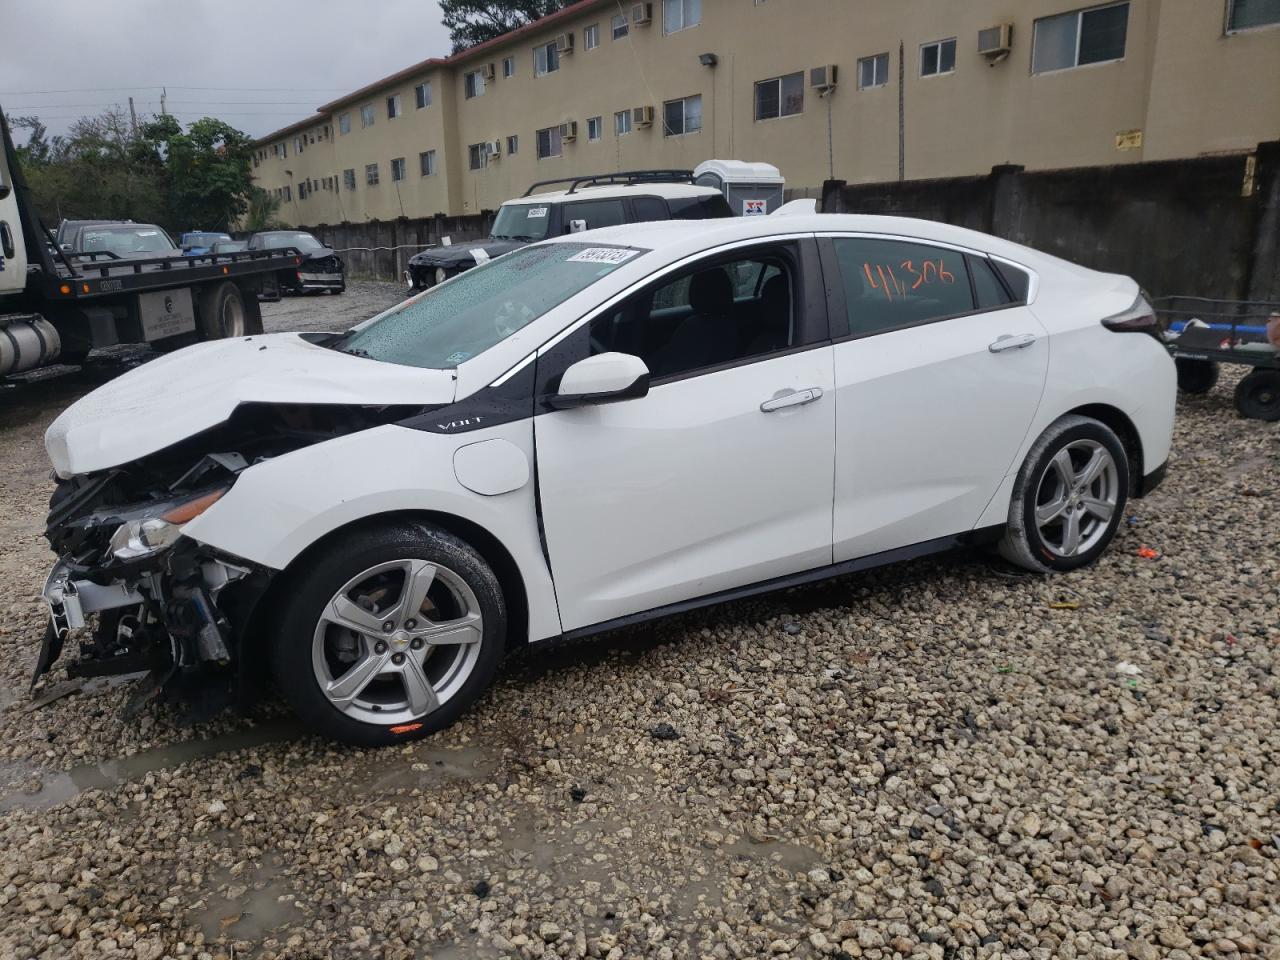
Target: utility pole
<point>163,93</point>
<point>902,112</point>
<point>133,119</point>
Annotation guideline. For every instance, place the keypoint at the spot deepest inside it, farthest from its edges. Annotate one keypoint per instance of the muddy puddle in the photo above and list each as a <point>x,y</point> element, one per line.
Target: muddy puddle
<point>248,907</point>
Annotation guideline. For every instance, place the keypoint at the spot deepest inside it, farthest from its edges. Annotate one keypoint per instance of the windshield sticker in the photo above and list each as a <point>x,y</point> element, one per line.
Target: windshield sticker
<point>457,357</point>
<point>536,213</point>
<point>611,255</point>
<point>479,255</point>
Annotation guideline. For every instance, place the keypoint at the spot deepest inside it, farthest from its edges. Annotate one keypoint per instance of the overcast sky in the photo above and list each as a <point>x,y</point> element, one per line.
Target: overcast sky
<point>258,64</point>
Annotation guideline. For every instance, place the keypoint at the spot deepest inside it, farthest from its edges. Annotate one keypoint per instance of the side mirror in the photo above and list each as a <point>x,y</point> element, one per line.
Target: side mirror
<point>577,226</point>
<point>604,378</point>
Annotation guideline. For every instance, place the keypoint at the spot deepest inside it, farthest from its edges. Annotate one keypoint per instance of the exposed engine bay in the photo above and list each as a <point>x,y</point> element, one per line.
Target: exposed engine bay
<point>139,596</point>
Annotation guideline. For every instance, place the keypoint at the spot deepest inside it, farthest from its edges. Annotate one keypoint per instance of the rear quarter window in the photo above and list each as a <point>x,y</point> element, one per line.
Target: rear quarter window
<point>1018,281</point>
<point>699,208</point>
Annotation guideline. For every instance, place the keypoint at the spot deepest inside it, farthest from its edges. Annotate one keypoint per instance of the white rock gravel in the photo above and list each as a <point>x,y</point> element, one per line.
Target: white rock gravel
<point>931,761</point>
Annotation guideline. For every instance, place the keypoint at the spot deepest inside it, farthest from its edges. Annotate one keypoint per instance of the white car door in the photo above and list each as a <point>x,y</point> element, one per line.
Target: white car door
<point>720,476</point>
<point>937,381</point>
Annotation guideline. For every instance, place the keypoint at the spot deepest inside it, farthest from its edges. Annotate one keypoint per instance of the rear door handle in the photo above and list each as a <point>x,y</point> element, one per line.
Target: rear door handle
<point>792,398</point>
<point>1010,342</point>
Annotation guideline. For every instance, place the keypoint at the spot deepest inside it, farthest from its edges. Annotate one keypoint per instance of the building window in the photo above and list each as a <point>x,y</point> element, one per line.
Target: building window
<point>938,58</point>
<point>621,26</point>
<point>422,94</point>
<point>622,122</point>
<point>297,144</point>
<point>393,106</point>
<point>371,174</point>
<point>1081,37</point>
<point>1247,14</point>
<point>549,142</point>
<point>682,116</point>
<point>288,193</point>
<point>366,115</point>
<point>284,149</point>
<point>473,84</point>
<point>680,15</point>
<point>591,37</point>
<point>513,144</point>
<point>397,169</point>
<point>873,71</point>
<point>595,128</point>
<point>478,156</point>
<point>546,59</point>
<point>780,96</point>
<point>427,162</point>
<point>508,67</point>
<point>349,178</point>
<point>344,123</point>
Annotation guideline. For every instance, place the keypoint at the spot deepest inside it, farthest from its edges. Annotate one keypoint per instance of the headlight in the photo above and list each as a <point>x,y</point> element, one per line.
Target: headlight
<point>144,536</point>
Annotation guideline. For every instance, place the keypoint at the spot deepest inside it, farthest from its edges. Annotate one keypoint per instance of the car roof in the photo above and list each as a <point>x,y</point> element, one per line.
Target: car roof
<point>668,191</point>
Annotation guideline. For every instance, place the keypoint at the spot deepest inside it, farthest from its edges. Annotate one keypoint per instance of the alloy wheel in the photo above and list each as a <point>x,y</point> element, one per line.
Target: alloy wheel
<point>1076,498</point>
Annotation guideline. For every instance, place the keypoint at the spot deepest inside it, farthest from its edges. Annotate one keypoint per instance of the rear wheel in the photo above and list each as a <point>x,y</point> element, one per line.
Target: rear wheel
<point>1196,376</point>
<point>1258,395</point>
<point>390,635</point>
<point>223,313</point>
<point>1069,497</point>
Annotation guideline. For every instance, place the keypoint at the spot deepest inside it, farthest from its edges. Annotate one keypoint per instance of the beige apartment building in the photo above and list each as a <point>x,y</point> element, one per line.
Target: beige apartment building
<point>857,90</point>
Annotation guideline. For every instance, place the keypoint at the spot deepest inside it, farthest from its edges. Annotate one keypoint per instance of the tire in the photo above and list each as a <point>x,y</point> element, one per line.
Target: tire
<point>1093,503</point>
<point>222,312</point>
<point>360,580</point>
<point>1258,395</point>
<point>1196,376</point>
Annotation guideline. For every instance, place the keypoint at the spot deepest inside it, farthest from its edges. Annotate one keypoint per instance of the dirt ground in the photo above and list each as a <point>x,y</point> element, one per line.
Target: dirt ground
<point>945,759</point>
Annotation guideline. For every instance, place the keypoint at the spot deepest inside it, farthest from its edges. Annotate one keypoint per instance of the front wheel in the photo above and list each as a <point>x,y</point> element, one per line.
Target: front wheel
<point>1069,497</point>
<point>389,635</point>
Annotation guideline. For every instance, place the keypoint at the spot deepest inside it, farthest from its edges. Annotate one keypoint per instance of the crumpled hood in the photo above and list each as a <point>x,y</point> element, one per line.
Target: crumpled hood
<point>461,253</point>
<point>176,396</point>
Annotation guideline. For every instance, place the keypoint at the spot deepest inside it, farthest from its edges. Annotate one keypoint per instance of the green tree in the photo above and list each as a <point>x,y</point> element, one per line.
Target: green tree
<point>206,170</point>
<point>470,22</point>
<point>263,212</point>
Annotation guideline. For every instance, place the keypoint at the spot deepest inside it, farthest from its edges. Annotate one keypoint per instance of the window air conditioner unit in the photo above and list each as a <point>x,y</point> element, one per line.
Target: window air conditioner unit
<point>642,116</point>
<point>487,72</point>
<point>569,130</point>
<point>997,40</point>
<point>823,78</point>
<point>564,43</point>
<point>494,149</point>
<point>642,14</point>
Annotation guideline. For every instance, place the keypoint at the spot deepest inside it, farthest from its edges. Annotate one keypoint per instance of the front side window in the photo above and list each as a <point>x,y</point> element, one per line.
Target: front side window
<point>349,178</point>
<point>707,316</point>
<point>397,169</point>
<point>891,284</point>
<point>682,116</point>
<point>595,128</point>
<point>546,59</point>
<point>1247,14</point>
<point>366,115</point>
<point>549,142</point>
<point>478,156</point>
<point>938,58</point>
<point>459,320</point>
<point>422,95</point>
<point>473,84</point>
<point>427,163</point>
<point>508,67</point>
<point>1081,37</point>
<point>591,37</point>
<point>393,106</point>
<point>622,122</point>
<point>620,25</point>
<point>344,123</point>
<point>680,14</point>
<point>596,213</point>
<point>780,96</point>
<point>873,71</point>
<point>371,174</point>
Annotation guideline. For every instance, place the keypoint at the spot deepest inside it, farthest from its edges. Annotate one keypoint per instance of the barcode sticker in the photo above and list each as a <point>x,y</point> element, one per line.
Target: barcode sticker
<point>613,255</point>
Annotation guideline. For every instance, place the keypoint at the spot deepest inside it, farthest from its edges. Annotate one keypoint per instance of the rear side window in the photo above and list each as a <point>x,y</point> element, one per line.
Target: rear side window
<point>597,213</point>
<point>709,207</point>
<point>1018,281</point>
<point>987,287</point>
<point>649,208</point>
<point>890,284</point>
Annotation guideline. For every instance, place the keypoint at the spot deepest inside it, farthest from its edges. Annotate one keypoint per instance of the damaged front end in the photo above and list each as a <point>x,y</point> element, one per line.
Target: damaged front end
<point>137,594</point>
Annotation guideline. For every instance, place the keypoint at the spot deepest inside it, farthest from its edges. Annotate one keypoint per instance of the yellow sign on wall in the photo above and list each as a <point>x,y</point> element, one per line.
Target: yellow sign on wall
<point>1129,140</point>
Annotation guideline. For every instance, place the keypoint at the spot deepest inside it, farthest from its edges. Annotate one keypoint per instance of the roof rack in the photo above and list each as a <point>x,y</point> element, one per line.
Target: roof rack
<point>624,178</point>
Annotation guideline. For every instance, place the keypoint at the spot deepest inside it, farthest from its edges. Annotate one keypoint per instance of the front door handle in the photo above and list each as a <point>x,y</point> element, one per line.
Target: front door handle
<point>1010,342</point>
<point>792,398</point>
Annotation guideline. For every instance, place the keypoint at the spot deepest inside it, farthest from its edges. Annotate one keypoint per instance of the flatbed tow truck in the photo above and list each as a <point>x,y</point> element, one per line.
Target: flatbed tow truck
<point>55,307</point>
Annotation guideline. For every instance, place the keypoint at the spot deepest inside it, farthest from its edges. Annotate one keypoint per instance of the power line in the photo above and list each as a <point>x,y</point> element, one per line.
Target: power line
<point>158,86</point>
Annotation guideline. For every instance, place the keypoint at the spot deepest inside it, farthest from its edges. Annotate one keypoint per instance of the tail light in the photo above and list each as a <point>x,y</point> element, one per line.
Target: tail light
<point>1139,318</point>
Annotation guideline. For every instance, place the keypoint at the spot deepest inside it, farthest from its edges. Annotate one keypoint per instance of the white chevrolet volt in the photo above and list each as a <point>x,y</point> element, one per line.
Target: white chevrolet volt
<point>589,432</point>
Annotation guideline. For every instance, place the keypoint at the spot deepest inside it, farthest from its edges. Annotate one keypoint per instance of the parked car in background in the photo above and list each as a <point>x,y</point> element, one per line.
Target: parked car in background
<point>230,246</point>
<point>321,270</point>
<point>593,431</point>
<point>587,203</point>
<point>124,240</point>
<point>69,231</point>
<point>197,242</point>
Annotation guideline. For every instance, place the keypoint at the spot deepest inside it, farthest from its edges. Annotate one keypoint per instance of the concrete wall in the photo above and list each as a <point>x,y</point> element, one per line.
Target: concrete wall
<point>1201,227</point>
<point>380,249</point>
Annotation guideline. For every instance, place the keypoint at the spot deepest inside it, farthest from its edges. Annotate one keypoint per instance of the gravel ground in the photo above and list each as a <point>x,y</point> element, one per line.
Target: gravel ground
<point>939,760</point>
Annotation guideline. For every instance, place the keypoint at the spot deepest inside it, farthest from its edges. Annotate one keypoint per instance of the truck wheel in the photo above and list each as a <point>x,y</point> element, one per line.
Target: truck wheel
<point>1258,395</point>
<point>1196,376</point>
<point>222,312</point>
